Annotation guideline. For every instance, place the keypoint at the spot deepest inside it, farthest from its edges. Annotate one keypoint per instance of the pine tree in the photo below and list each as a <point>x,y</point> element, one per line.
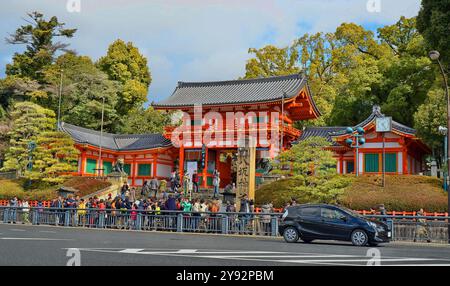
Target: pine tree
<point>37,151</point>
<point>314,168</point>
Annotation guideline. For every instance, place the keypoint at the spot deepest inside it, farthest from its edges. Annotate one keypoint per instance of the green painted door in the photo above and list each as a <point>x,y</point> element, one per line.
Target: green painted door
<point>91,165</point>
<point>127,169</point>
<point>371,163</point>
<point>350,167</point>
<point>144,170</point>
<point>391,162</point>
<point>107,166</point>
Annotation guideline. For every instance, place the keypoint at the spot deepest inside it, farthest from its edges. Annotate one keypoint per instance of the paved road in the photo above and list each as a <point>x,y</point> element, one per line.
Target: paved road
<point>44,245</point>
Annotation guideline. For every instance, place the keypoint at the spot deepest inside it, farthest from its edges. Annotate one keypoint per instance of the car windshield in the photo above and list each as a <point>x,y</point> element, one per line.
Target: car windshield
<point>351,212</point>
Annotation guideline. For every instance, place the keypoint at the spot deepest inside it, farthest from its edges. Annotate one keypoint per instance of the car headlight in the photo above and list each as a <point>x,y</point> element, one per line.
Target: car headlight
<point>373,225</point>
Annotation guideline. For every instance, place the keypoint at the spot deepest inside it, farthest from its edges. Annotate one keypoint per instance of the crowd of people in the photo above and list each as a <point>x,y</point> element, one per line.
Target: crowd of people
<point>122,209</point>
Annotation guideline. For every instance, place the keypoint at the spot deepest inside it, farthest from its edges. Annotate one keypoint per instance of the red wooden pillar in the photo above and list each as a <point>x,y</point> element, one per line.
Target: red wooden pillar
<point>133,171</point>
<point>181,162</point>
<point>205,170</point>
<point>155,164</point>
<point>341,163</point>
<point>405,161</point>
<point>83,162</point>
<point>217,164</point>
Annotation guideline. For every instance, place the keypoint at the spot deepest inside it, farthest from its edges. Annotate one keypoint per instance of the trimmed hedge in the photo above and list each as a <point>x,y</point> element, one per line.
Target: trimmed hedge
<point>40,191</point>
<point>280,192</point>
<point>11,188</point>
<point>86,185</point>
<point>402,193</point>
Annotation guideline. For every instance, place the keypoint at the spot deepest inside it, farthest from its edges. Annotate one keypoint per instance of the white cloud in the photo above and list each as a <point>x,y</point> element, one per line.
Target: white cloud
<point>198,39</point>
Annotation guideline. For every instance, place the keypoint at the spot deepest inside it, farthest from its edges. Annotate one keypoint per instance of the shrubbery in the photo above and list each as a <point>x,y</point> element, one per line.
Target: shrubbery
<point>11,188</point>
<point>86,185</point>
<point>42,191</point>
<point>402,193</point>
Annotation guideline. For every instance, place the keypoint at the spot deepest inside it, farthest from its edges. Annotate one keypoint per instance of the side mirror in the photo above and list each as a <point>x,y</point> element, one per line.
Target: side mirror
<point>343,218</point>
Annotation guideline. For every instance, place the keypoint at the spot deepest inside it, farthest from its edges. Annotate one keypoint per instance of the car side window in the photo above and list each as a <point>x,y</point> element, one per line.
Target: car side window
<point>331,213</point>
<point>309,211</point>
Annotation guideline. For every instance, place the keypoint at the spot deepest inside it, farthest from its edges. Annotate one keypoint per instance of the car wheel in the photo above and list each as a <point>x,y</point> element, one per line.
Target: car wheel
<point>290,234</point>
<point>359,237</point>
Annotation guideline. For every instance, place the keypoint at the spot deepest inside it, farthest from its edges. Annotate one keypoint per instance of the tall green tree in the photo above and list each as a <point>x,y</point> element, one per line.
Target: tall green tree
<point>429,116</point>
<point>39,37</point>
<point>125,64</point>
<point>351,69</point>
<point>84,87</point>
<point>271,61</point>
<point>433,23</point>
<point>314,168</point>
<point>142,121</point>
<point>408,75</point>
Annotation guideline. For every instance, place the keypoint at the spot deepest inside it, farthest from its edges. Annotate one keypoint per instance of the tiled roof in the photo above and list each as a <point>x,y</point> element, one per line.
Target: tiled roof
<point>113,141</point>
<point>376,113</point>
<point>236,91</point>
<point>320,132</point>
<point>329,132</point>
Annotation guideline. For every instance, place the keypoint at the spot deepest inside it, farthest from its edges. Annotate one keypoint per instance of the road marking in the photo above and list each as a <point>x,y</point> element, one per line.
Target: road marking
<point>47,231</point>
<point>187,251</point>
<point>418,265</point>
<point>274,257</point>
<point>131,250</point>
<point>16,229</point>
<point>358,260</point>
<point>31,238</point>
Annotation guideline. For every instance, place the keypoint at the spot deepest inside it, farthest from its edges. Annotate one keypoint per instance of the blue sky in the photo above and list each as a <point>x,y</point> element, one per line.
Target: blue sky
<point>195,40</point>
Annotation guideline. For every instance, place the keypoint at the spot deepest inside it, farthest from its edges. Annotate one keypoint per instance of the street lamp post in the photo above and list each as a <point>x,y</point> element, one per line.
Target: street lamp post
<point>59,100</point>
<point>443,130</point>
<point>434,55</point>
<point>357,134</point>
<point>100,162</point>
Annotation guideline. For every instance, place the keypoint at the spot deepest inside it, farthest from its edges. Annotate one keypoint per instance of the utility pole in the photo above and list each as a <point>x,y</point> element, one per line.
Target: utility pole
<point>434,55</point>
<point>100,162</point>
<point>59,101</point>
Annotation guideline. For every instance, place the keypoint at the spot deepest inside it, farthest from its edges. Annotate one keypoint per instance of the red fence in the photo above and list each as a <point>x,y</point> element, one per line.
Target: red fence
<point>45,204</point>
<point>403,213</point>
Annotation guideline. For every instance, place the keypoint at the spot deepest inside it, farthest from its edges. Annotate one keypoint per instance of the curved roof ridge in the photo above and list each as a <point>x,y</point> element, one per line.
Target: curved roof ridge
<point>243,91</point>
<point>239,81</point>
<point>115,141</point>
<point>376,113</point>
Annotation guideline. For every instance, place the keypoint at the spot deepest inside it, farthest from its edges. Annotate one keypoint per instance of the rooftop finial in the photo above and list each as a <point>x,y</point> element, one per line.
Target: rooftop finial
<point>376,109</point>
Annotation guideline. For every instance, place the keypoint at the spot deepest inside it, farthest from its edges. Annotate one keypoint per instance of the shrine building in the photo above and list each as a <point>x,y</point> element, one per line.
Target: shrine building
<point>404,151</point>
<point>218,116</point>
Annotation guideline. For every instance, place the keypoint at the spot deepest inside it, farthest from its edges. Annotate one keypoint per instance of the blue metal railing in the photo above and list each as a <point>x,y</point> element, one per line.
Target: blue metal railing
<point>401,227</point>
<point>145,220</point>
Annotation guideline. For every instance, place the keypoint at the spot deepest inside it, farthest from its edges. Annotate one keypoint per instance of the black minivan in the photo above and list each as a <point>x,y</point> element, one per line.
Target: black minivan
<point>328,222</point>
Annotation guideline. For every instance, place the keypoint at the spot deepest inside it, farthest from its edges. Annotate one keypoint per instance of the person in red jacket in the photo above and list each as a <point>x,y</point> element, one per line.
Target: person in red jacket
<point>195,181</point>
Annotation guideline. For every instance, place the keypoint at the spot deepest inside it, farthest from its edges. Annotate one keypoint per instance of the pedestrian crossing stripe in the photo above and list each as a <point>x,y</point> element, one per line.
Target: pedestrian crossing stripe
<point>282,258</point>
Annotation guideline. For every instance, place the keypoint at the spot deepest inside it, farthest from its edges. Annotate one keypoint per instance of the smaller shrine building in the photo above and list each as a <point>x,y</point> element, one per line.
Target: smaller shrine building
<point>404,152</point>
